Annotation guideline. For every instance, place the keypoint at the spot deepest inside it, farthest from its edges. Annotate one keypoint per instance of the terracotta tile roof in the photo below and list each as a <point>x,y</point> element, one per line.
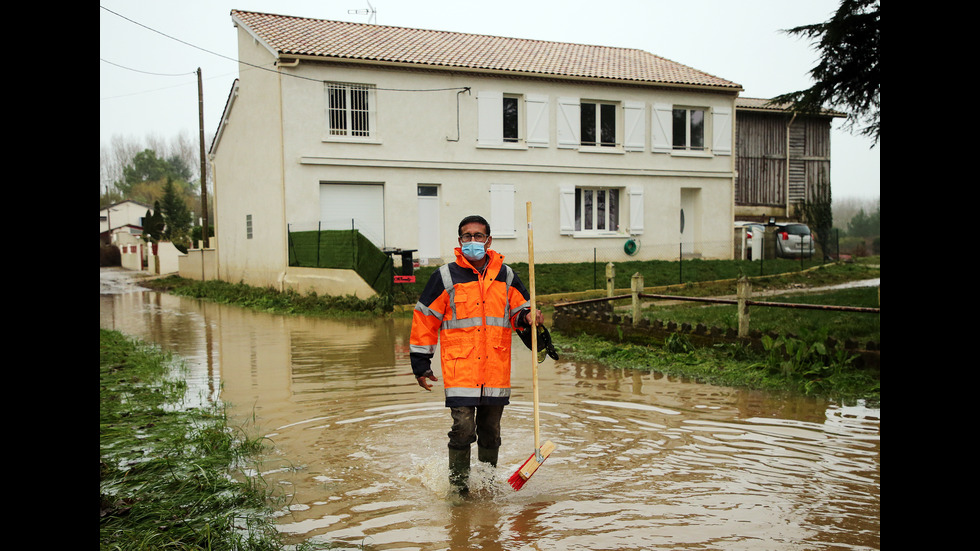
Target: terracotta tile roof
<point>762,104</point>
<point>289,35</point>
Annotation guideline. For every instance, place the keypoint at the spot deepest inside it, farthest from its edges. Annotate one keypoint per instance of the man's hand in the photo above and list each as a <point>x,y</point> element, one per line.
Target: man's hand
<point>539,317</point>
<point>422,380</point>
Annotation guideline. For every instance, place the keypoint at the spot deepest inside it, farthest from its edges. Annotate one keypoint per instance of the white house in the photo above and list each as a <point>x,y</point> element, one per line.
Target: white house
<point>402,132</point>
<point>123,217</point>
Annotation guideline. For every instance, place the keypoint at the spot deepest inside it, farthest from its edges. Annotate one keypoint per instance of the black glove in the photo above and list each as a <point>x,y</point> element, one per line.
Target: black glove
<point>545,346</point>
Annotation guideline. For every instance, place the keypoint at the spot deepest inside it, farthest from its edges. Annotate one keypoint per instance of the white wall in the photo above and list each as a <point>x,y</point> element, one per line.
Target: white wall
<point>419,139</point>
<point>247,168</point>
<point>126,212</point>
<point>416,144</point>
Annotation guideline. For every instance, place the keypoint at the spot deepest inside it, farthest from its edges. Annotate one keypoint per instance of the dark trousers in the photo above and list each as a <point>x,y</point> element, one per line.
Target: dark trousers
<point>480,424</point>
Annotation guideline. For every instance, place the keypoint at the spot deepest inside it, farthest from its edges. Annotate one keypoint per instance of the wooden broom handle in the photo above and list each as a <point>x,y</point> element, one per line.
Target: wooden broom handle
<point>534,330</point>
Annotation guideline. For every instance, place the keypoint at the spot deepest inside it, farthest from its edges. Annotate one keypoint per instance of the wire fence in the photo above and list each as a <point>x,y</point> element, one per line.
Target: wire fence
<point>610,262</point>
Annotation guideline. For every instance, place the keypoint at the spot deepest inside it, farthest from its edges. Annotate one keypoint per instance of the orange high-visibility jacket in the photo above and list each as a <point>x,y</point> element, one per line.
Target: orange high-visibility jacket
<point>470,315</point>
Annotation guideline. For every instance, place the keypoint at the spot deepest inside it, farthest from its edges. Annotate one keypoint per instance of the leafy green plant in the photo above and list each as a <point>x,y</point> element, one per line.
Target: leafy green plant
<point>678,343</point>
<point>806,361</point>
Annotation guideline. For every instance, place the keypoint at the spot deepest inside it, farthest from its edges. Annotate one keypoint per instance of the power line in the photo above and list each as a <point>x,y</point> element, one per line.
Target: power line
<point>145,72</point>
<point>264,68</point>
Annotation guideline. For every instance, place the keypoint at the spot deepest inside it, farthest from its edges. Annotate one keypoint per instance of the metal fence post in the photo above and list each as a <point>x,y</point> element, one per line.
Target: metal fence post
<point>680,262</point>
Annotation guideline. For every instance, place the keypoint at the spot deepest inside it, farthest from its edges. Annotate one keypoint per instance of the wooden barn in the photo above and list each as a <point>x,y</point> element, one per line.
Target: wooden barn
<point>781,160</point>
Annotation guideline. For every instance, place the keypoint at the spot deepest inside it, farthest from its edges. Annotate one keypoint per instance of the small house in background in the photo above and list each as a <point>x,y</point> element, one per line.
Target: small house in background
<point>123,217</point>
<point>781,159</point>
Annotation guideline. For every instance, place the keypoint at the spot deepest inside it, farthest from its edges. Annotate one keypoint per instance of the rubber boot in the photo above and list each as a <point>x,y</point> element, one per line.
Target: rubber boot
<point>459,470</point>
<point>487,455</point>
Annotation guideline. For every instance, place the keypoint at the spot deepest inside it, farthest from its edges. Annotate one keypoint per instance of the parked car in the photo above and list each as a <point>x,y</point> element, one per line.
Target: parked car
<point>794,240</point>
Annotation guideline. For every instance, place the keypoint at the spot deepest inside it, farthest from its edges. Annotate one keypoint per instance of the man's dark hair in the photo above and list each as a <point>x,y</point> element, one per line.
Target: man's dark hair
<point>474,218</point>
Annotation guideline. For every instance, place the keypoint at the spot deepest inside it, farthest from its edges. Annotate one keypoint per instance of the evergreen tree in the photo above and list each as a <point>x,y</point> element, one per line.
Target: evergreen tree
<point>176,216</point>
<point>153,224</point>
<point>848,75</point>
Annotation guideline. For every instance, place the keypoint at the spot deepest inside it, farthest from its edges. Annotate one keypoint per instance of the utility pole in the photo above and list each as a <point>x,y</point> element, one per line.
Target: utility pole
<point>204,165</point>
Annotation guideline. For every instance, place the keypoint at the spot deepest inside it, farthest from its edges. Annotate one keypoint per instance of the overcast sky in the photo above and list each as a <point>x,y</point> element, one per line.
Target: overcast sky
<point>149,52</point>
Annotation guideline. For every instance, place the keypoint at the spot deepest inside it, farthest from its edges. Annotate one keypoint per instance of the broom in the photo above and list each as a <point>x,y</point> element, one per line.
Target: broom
<point>541,452</point>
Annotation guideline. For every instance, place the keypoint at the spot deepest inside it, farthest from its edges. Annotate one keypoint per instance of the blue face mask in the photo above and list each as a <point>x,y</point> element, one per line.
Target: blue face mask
<point>474,250</point>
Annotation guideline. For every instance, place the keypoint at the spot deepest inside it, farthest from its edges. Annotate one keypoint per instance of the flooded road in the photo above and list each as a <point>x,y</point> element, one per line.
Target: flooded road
<point>643,461</point>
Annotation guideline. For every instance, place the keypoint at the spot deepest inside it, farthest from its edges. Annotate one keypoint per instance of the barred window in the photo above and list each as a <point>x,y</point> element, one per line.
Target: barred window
<point>350,109</point>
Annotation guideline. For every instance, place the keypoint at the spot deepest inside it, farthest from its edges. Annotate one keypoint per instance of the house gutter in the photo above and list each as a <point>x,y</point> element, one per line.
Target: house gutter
<point>734,168</point>
<point>281,279</point>
<point>292,60</point>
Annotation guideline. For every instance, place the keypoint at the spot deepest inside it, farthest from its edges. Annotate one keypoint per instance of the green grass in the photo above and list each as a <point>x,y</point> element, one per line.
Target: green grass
<point>809,370</point>
<point>568,278</point>
<point>860,327</point>
<point>270,300</point>
<point>796,361</point>
<point>170,476</point>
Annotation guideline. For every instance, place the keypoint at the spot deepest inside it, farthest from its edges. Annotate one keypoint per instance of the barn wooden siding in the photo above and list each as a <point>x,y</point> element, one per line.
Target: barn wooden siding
<point>762,163</point>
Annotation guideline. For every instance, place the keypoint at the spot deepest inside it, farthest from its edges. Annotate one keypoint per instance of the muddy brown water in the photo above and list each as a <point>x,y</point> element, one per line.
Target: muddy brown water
<point>643,461</point>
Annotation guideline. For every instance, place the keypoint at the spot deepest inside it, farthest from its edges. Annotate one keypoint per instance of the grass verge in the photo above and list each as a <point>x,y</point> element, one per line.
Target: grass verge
<point>551,279</point>
<point>166,472</point>
<point>270,300</point>
<point>813,325</point>
<point>809,370</point>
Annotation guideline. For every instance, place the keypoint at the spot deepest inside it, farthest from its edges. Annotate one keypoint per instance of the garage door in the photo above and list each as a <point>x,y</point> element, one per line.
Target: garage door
<point>358,206</point>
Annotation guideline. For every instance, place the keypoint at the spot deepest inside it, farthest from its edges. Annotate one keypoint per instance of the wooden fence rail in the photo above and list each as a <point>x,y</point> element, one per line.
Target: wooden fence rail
<point>743,302</point>
<point>763,303</point>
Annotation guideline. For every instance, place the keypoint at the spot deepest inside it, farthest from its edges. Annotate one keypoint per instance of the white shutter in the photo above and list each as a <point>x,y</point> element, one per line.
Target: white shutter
<point>566,206</point>
<point>491,117</point>
<point>663,127</point>
<point>636,210</point>
<point>635,136</point>
<point>502,210</point>
<point>536,110</point>
<point>568,123</point>
<point>721,130</point>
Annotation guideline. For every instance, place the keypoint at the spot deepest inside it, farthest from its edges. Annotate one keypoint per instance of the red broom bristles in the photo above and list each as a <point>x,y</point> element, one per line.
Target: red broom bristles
<point>530,466</point>
<point>516,480</point>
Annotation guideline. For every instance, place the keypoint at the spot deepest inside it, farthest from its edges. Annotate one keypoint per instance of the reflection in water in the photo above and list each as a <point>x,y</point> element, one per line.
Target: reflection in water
<point>644,461</point>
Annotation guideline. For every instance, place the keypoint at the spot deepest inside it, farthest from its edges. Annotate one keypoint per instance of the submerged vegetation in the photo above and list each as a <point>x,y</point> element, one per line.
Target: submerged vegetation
<point>787,364</point>
<point>795,356</point>
<point>166,471</point>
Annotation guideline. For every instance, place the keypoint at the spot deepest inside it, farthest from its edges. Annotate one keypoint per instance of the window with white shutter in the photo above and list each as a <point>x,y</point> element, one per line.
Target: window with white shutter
<point>490,123</point>
<point>538,130</point>
<point>721,131</point>
<point>568,124</point>
<point>635,131</point>
<point>502,217</point>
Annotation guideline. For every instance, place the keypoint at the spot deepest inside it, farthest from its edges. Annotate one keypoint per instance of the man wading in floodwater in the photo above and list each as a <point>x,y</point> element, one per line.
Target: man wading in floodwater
<point>471,306</point>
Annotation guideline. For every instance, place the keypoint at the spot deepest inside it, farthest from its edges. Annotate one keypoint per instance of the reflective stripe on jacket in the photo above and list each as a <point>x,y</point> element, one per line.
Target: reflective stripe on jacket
<point>470,315</point>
